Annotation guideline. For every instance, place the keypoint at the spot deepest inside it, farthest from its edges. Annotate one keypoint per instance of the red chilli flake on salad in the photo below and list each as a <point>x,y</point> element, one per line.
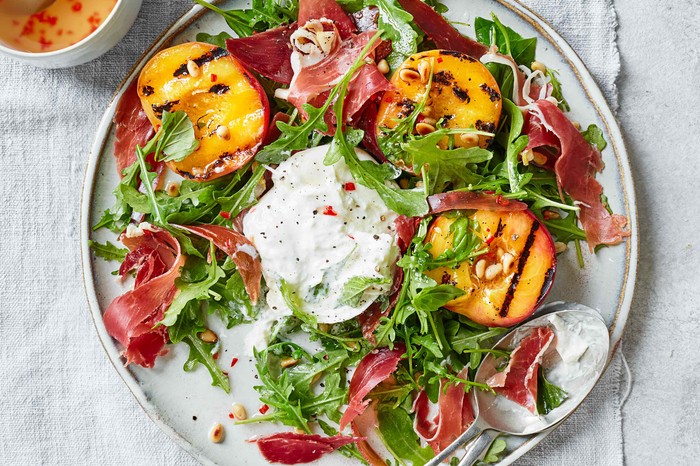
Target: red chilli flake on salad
<point>399,326</point>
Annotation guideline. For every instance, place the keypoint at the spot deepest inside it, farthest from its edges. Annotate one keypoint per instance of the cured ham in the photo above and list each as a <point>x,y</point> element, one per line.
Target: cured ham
<point>373,369</point>
<point>371,318</point>
<point>328,9</point>
<point>458,200</point>
<point>132,127</point>
<point>577,163</point>
<point>362,426</point>
<point>130,318</point>
<point>239,249</point>
<point>368,82</point>
<point>267,53</point>
<point>294,448</point>
<point>440,31</point>
<point>312,81</point>
<point>518,382</point>
<point>455,415</point>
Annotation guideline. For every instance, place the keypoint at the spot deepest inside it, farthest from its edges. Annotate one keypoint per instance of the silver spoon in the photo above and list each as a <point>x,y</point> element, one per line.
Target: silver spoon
<point>495,414</point>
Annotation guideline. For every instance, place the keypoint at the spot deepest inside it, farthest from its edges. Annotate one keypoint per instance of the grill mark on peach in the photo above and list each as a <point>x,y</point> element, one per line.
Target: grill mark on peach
<point>212,55</point>
<point>522,262</point>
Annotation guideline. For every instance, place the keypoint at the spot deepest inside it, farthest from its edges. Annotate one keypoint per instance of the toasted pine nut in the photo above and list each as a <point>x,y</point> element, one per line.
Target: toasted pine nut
<point>527,156</point>
<point>424,71</point>
<point>239,412</point>
<point>383,66</point>
<point>480,267</point>
<point>324,327</point>
<point>423,128</point>
<point>492,271</point>
<point>208,336</point>
<point>300,431</point>
<point>469,140</point>
<point>507,261</point>
<point>223,132</point>
<point>216,434</point>
<point>429,121</point>
<point>288,362</point>
<point>193,69</point>
<point>538,66</point>
<point>316,378</point>
<point>369,60</point>
<point>173,189</point>
<point>499,252</point>
<point>550,214</point>
<point>577,125</point>
<point>427,110</point>
<point>560,247</point>
<point>409,74</point>
<point>538,158</point>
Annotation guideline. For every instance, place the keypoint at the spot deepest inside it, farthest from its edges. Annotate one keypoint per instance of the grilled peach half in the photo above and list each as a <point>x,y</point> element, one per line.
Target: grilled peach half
<point>227,106</point>
<point>463,93</point>
<point>505,285</point>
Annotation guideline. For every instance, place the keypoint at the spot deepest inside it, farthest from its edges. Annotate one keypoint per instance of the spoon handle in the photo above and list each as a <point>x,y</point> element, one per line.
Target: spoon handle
<point>474,430</point>
<point>477,448</point>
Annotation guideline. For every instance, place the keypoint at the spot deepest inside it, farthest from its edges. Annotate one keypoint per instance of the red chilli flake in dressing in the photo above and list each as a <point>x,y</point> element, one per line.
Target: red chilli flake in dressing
<point>328,210</point>
<point>350,186</point>
<point>226,215</point>
<point>263,409</point>
<point>234,361</point>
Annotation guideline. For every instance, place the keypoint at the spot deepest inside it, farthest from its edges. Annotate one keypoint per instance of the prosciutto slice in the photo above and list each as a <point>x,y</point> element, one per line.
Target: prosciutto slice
<point>362,426</point>
<point>577,163</point>
<point>294,448</point>
<point>457,200</point>
<point>328,9</point>
<point>518,382</point>
<point>239,249</point>
<point>440,31</point>
<point>132,127</point>
<point>314,80</point>
<point>454,416</point>
<point>267,53</point>
<point>372,370</point>
<point>130,318</point>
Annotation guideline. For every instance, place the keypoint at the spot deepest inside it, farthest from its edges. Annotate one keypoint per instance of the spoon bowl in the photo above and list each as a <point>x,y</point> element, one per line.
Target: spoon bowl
<point>575,361</point>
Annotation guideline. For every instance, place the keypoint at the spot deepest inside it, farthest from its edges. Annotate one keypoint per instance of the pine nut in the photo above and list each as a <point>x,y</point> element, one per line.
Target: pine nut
<point>423,128</point>
<point>429,121</point>
<point>527,156</point>
<point>500,252</point>
<point>469,140</point>
<point>550,214</point>
<point>383,66</point>
<point>409,74</point>
<point>193,69</point>
<point>173,189</point>
<point>300,431</point>
<point>480,267</point>
<point>507,261</point>
<point>427,110</point>
<point>288,362</point>
<point>424,71</point>
<point>492,271</point>
<point>223,132</point>
<point>538,158</point>
<point>369,61</point>
<point>538,66</point>
<point>208,336</point>
<point>216,435</point>
<point>324,327</point>
<point>560,247</point>
<point>239,412</point>
<point>577,125</point>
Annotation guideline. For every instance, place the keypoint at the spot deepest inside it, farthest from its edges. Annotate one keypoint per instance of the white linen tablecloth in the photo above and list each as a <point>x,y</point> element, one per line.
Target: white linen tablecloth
<point>62,402</point>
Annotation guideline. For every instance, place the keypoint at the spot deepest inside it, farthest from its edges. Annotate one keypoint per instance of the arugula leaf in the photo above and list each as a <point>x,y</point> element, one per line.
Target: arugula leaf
<point>553,76</point>
<point>549,396</point>
<point>234,306</point>
<point>117,217</point>
<point>175,137</point>
<point>431,299</point>
<point>146,181</point>
<point>263,15</point>
<point>493,454</point>
<point>396,430</point>
<point>355,288</point>
<point>219,40</point>
<point>516,144</point>
<point>396,22</point>
<point>193,291</point>
<point>507,40</point>
<point>297,137</point>
<point>244,197</point>
<point>595,137</point>
<point>295,303</point>
<point>108,251</point>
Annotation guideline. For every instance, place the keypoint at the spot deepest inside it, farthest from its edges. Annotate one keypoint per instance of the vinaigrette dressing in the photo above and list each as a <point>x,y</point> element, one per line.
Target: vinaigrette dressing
<point>64,23</point>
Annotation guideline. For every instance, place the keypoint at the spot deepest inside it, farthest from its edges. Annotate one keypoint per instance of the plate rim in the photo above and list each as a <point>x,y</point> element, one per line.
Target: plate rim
<point>543,27</point>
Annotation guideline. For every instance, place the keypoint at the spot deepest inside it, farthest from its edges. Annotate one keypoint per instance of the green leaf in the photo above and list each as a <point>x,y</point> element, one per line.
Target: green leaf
<point>549,396</point>
<point>355,288</point>
<point>396,23</point>
<point>516,144</point>
<point>296,137</point>
<point>244,197</point>
<point>553,76</point>
<point>432,299</point>
<point>219,40</point>
<point>595,137</point>
<point>494,453</point>
<point>108,251</point>
<point>396,430</point>
<point>263,15</point>
<point>201,353</point>
<point>177,139</point>
<point>466,339</point>
<point>117,217</point>
<point>508,41</point>
<point>295,303</point>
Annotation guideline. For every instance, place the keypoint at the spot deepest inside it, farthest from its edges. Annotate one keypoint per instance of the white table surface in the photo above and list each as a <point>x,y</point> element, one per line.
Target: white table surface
<point>659,97</point>
<point>659,114</point>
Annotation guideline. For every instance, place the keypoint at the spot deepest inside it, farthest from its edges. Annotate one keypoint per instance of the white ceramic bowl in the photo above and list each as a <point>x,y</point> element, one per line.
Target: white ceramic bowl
<point>111,31</point>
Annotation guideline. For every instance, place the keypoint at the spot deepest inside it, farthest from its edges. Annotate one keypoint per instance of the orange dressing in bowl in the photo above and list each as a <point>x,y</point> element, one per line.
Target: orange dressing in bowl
<point>64,23</point>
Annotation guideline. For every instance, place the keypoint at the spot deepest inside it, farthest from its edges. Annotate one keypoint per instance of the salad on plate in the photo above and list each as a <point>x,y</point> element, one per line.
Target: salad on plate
<point>374,195</point>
